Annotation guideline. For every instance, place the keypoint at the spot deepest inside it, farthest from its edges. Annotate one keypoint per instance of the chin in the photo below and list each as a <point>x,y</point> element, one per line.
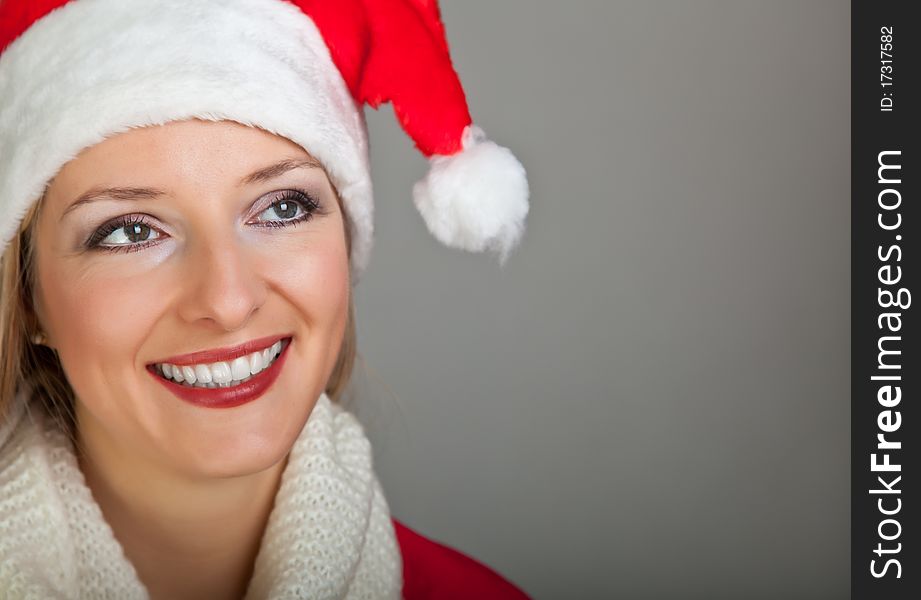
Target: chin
<point>236,457</point>
<point>239,444</point>
<point>242,462</point>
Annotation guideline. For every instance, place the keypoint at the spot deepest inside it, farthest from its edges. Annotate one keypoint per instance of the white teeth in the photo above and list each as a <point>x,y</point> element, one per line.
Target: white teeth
<point>202,374</point>
<point>222,373</point>
<point>188,374</point>
<point>255,363</point>
<point>239,368</point>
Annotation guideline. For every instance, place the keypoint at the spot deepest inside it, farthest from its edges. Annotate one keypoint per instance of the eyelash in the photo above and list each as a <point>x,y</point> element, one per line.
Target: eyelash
<point>309,205</point>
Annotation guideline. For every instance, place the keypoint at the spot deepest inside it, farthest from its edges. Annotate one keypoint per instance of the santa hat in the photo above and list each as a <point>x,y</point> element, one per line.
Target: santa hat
<point>73,73</point>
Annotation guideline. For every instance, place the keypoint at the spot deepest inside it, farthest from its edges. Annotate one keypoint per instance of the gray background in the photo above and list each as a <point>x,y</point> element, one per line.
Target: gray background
<point>651,399</point>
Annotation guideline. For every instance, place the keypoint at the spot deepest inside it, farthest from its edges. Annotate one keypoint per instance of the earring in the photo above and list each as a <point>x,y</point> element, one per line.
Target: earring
<point>38,339</point>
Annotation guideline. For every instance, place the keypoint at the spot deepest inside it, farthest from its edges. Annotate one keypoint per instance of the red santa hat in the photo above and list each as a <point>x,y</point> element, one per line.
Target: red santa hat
<point>73,72</point>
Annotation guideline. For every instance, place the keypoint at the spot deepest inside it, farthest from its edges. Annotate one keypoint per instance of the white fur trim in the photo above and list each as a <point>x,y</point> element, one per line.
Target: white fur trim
<point>94,68</point>
<point>476,199</point>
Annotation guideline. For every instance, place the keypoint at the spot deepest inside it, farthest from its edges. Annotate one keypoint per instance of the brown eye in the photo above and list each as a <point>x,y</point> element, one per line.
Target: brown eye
<point>132,233</point>
<point>137,232</point>
<point>124,233</point>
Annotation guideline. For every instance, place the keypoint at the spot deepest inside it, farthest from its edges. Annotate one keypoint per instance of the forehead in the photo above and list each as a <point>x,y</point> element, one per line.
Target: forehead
<point>178,152</point>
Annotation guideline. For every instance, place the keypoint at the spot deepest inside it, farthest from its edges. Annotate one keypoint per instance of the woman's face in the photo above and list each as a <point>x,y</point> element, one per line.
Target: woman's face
<point>207,238</point>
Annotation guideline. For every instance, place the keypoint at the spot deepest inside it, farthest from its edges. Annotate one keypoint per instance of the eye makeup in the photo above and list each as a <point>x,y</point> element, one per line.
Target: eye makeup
<point>305,205</point>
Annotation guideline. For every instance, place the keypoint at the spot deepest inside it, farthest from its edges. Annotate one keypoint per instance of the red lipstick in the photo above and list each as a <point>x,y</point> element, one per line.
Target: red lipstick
<point>223,354</point>
<point>226,397</point>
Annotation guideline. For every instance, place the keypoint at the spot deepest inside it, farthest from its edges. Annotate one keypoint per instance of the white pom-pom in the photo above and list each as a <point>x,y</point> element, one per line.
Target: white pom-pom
<point>476,199</point>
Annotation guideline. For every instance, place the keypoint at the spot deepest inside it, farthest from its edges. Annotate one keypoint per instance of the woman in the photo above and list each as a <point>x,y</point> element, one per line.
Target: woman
<point>187,205</point>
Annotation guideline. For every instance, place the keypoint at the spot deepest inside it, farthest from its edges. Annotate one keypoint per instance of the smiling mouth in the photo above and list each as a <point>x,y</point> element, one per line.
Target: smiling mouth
<point>222,374</point>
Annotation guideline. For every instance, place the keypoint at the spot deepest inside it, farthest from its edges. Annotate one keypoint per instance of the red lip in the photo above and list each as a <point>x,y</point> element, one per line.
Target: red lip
<point>223,354</point>
<point>226,397</point>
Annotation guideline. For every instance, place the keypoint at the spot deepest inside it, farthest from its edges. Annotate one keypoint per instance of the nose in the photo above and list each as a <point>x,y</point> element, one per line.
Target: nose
<point>224,286</point>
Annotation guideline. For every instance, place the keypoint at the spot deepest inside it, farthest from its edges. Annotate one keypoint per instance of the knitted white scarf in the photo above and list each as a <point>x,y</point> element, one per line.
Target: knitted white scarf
<point>329,534</point>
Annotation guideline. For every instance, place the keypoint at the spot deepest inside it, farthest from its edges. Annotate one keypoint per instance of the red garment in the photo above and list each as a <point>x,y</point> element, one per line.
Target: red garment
<point>434,571</point>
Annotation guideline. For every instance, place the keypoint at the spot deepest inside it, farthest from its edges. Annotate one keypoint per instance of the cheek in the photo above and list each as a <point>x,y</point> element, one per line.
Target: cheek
<point>315,279</point>
<point>97,322</point>
<point>316,284</point>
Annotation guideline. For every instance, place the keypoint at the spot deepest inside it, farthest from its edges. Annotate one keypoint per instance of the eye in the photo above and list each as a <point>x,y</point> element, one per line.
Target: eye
<point>289,208</point>
<point>128,233</point>
<point>132,233</point>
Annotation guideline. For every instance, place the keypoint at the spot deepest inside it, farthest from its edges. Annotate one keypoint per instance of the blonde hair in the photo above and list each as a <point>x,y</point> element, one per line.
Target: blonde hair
<point>23,362</point>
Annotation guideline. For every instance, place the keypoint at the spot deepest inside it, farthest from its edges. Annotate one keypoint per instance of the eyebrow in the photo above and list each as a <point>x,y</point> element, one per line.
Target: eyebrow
<point>113,193</point>
<point>280,168</point>
<point>133,193</point>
